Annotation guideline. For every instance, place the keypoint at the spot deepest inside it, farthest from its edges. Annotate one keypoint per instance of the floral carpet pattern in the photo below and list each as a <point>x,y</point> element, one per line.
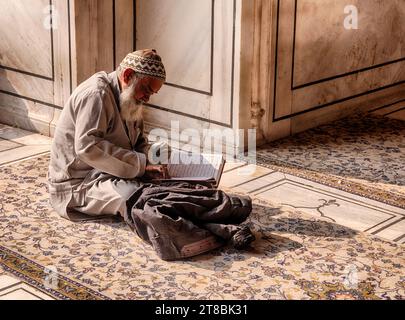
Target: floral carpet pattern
<point>295,256</point>
<point>361,154</point>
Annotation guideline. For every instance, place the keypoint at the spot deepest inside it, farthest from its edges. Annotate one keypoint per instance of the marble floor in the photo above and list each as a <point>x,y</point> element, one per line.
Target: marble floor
<point>14,289</point>
<point>17,144</point>
<point>343,208</point>
<point>340,207</point>
<point>305,201</point>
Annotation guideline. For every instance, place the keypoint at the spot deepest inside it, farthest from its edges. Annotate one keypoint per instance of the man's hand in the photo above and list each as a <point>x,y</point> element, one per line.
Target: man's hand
<point>156,172</point>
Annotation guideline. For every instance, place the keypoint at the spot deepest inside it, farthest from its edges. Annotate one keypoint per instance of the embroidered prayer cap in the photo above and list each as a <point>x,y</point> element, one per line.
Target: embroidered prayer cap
<point>146,62</point>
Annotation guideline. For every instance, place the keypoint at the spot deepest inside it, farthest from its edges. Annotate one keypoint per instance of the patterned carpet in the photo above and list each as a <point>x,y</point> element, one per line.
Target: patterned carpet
<point>295,256</point>
<point>361,154</point>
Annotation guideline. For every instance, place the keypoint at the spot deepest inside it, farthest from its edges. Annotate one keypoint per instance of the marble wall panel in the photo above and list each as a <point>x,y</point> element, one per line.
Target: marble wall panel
<point>22,113</point>
<point>217,138</point>
<point>196,41</point>
<point>349,86</point>
<point>25,42</point>
<point>124,39</point>
<point>308,120</point>
<point>324,48</point>
<point>17,83</point>
<point>35,61</point>
<point>322,71</point>
<point>181,31</point>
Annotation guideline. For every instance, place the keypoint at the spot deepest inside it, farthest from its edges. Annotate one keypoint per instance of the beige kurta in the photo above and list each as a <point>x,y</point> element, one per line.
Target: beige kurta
<point>93,163</point>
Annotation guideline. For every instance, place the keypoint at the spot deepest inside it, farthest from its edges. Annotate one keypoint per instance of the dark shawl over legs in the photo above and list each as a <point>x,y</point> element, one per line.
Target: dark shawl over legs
<point>182,220</point>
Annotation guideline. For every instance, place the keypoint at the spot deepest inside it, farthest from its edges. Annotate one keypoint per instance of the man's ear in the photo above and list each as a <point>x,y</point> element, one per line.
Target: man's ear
<point>127,75</point>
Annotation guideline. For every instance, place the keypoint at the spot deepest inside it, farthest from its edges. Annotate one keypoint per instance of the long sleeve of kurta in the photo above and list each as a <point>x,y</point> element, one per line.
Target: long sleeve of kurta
<point>142,144</point>
<point>93,116</point>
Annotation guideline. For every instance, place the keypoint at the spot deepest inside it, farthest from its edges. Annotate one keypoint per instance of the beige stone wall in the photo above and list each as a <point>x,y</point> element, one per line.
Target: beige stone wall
<point>319,71</point>
<point>40,66</point>
<point>35,62</point>
<point>281,66</point>
<point>199,42</point>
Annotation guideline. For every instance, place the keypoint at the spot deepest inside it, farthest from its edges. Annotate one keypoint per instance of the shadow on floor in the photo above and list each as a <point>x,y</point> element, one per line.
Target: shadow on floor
<point>276,230</point>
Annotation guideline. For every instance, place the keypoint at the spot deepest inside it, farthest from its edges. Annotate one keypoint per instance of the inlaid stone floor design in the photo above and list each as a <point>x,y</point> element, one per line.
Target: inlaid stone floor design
<point>340,207</point>
<point>14,289</point>
<point>305,249</point>
<point>362,154</point>
<point>17,144</point>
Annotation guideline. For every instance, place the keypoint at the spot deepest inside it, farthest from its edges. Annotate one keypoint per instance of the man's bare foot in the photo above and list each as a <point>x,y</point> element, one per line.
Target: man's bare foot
<point>242,238</point>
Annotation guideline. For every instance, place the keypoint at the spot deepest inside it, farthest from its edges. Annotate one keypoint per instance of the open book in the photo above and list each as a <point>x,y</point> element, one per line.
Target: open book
<point>196,167</point>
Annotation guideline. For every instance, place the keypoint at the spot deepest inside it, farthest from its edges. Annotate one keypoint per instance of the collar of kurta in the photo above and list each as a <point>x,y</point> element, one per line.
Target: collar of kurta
<point>115,86</point>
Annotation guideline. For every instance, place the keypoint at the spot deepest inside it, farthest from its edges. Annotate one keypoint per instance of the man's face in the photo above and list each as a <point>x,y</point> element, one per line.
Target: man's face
<point>146,87</point>
<point>134,93</point>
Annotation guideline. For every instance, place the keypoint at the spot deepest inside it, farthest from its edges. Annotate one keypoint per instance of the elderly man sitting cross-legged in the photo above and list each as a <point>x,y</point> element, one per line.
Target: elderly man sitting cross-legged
<point>99,162</point>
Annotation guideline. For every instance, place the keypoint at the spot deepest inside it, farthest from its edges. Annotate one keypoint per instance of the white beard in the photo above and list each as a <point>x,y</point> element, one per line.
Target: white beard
<point>131,110</point>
